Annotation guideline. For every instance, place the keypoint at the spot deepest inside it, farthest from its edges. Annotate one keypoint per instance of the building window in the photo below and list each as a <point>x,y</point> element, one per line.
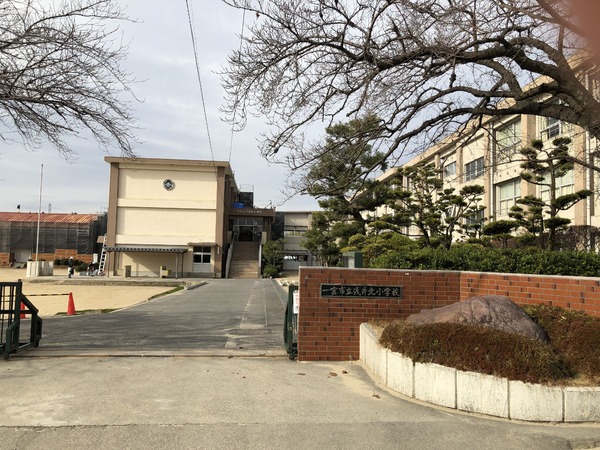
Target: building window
<point>476,217</point>
<point>474,169</point>
<point>508,194</point>
<point>450,170</point>
<point>564,186</point>
<point>508,140</point>
<point>294,231</point>
<point>551,127</point>
<point>202,255</point>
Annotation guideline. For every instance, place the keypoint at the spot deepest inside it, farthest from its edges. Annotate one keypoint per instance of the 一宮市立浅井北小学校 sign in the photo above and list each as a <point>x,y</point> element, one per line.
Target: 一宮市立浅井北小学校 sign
<point>363,291</point>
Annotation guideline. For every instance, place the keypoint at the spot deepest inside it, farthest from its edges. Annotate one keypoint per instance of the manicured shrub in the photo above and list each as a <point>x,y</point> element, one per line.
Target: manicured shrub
<point>477,349</point>
<point>270,271</point>
<point>574,334</point>
<point>572,350</point>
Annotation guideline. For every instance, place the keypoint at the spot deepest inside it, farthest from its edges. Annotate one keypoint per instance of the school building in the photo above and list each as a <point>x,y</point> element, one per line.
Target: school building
<point>182,218</point>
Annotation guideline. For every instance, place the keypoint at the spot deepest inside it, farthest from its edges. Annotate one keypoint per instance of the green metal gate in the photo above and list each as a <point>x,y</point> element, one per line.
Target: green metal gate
<point>16,311</point>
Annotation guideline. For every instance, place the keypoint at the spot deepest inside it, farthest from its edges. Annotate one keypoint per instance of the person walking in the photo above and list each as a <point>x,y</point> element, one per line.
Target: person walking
<point>71,266</point>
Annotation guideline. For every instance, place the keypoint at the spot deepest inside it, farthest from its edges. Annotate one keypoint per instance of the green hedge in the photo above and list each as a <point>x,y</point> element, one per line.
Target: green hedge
<point>481,259</point>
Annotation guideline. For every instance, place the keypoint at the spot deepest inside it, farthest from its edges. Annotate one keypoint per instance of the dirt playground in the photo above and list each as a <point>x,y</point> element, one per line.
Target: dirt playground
<point>85,297</point>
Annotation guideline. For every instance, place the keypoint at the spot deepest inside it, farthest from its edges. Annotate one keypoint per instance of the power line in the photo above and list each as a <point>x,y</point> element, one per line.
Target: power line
<point>235,109</point>
<point>195,49</point>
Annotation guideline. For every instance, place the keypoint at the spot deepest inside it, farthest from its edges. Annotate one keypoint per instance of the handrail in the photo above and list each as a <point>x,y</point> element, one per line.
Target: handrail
<point>259,259</point>
<point>229,256</point>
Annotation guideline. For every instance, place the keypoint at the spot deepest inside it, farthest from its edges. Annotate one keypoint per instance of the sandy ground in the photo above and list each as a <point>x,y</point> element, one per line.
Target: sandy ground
<point>84,297</point>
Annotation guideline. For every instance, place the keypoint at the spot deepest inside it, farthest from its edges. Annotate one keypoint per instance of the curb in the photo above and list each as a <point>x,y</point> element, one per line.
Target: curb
<point>475,392</point>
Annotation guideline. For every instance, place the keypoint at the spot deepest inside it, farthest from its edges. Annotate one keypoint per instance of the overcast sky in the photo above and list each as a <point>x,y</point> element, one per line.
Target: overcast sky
<point>171,117</point>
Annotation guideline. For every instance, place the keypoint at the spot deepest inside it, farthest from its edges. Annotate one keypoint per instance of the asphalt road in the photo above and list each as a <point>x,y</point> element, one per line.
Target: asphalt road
<point>171,374</point>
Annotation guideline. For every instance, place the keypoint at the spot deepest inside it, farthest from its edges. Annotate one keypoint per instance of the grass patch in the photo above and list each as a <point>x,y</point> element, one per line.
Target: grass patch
<point>90,311</point>
<point>170,291</point>
<point>570,357</point>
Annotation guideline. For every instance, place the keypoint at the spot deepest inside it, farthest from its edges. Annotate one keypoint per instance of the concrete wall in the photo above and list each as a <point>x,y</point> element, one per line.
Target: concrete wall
<point>39,268</point>
<point>328,328</point>
<point>474,392</point>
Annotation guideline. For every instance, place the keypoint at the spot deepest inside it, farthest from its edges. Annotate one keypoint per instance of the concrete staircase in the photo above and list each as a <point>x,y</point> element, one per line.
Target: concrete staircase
<point>244,261</point>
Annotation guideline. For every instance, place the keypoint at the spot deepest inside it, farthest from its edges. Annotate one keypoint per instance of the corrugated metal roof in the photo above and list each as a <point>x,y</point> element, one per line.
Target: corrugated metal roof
<point>47,218</point>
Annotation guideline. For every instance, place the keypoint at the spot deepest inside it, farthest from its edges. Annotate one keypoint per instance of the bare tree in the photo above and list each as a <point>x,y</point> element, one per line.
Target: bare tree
<point>60,73</point>
<point>425,67</point>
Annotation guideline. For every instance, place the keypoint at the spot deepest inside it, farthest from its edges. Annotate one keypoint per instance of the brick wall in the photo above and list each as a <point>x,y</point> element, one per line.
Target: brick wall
<point>328,327</point>
<point>578,293</point>
<point>5,258</point>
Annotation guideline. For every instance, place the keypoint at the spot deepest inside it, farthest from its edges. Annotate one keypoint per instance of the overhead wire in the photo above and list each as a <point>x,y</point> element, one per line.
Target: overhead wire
<point>235,108</point>
<point>195,49</point>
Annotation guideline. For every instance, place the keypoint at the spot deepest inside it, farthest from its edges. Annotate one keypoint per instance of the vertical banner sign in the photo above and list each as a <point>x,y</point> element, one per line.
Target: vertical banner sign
<point>296,302</point>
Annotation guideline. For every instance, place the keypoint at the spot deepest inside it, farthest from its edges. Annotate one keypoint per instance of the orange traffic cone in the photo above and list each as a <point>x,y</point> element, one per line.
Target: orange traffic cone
<point>71,307</point>
<point>23,316</point>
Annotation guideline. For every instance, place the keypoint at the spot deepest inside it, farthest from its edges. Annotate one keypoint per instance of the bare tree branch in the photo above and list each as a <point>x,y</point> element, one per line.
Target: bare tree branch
<point>424,67</point>
<point>60,74</point>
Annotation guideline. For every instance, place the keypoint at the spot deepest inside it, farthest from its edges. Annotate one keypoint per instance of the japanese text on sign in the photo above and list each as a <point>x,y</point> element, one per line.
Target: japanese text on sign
<point>345,290</point>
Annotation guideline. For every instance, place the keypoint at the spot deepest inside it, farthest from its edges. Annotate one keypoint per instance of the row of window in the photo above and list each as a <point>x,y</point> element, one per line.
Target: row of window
<point>473,169</point>
<point>509,135</point>
<point>507,143</point>
<point>294,232</point>
<point>245,221</point>
<point>510,191</point>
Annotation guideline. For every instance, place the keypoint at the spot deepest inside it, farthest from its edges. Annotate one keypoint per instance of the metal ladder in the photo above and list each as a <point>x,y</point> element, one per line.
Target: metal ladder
<point>102,264</point>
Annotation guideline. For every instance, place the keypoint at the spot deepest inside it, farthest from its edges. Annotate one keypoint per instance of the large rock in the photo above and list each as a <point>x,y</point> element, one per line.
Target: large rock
<point>494,311</point>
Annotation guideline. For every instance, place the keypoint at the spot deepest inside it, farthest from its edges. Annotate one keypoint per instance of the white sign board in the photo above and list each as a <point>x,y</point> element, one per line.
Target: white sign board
<point>296,302</point>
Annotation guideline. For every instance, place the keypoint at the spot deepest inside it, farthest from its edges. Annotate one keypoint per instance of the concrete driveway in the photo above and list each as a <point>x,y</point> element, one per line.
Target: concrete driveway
<point>221,316</point>
<point>205,369</point>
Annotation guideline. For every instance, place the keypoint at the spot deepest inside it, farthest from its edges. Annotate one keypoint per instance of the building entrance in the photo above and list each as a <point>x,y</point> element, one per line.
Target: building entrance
<point>247,234</point>
<point>201,261</point>
<point>247,229</point>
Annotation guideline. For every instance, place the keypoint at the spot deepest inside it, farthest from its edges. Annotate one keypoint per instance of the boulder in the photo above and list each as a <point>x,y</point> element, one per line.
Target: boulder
<point>494,311</point>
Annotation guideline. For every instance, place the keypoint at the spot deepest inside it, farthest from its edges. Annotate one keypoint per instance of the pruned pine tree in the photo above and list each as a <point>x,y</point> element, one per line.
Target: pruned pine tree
<point>436,212</point>
<point>544,167</point>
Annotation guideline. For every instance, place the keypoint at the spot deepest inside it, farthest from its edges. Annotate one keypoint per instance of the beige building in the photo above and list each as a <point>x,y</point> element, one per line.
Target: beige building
<point>490,157</point>
<point>180,218</point>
